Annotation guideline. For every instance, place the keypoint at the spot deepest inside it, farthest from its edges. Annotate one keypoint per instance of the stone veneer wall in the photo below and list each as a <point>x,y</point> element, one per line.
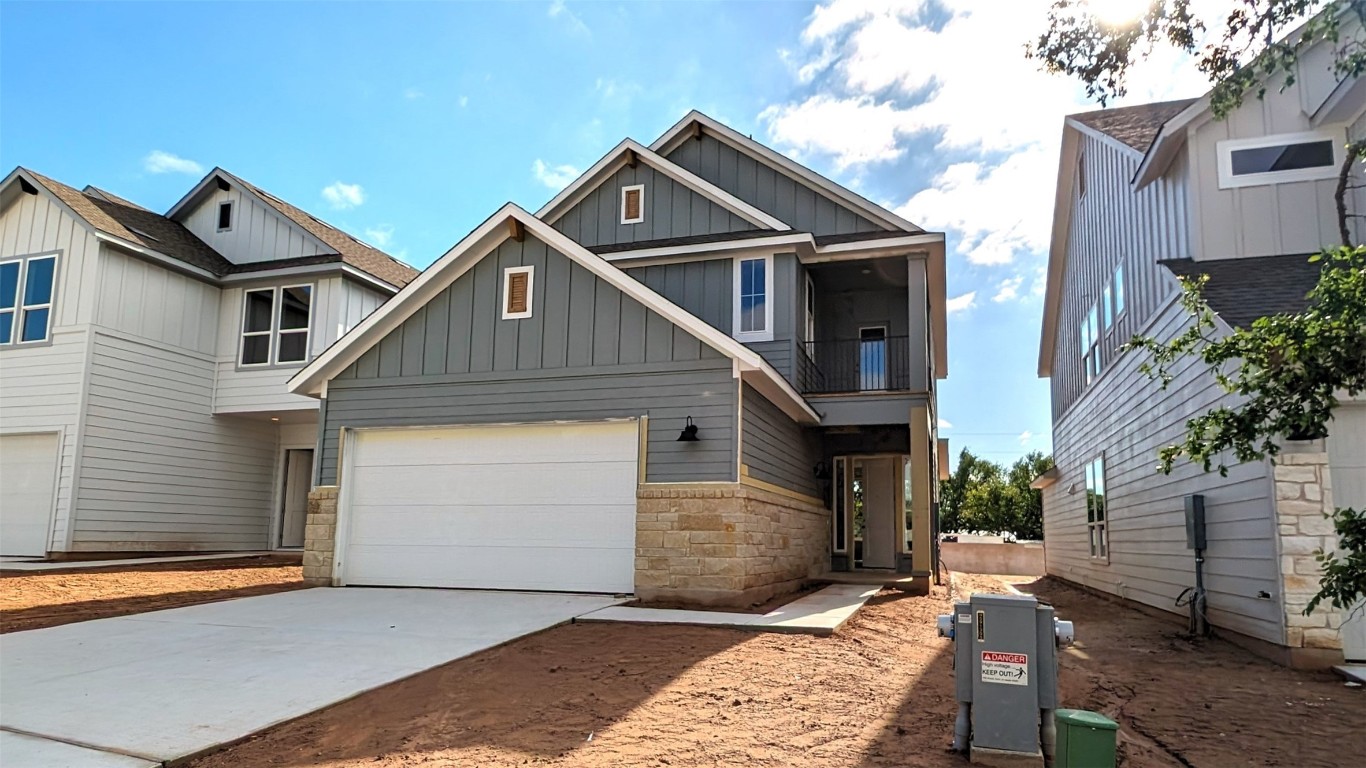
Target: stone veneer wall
<point>1304,496</point>
<point>320,535</point>
<point>726,544</point>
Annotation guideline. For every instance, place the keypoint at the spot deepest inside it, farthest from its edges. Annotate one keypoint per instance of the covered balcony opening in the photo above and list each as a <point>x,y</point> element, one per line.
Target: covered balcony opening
<point>857,336</point>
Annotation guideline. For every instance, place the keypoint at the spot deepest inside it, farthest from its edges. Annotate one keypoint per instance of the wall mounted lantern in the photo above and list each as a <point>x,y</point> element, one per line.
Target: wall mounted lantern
<point>689,433</point>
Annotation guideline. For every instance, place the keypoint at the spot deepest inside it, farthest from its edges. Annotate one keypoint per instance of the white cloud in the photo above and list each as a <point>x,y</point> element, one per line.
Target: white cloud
<point>464,101</point>
<point>342,196</point>
<point>381,236</point>
<point>412,94</point>
<point>158,161</point>
<point>558,10</point>
<point>556,177</point>
<point>944,423</point>
<point>961,303</point>
<point>1008,289</point>
<point>1025,437</point>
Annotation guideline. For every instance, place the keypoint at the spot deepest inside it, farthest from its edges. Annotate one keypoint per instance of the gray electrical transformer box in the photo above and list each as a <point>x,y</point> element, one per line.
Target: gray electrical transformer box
<point>1006,673</point>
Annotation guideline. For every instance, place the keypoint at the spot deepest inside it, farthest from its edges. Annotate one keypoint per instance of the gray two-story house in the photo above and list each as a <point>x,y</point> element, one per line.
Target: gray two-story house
<point>702,371</point>
<point>1144,195</point>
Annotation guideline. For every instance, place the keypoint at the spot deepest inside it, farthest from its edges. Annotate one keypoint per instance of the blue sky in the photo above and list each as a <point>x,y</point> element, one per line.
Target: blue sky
<point>408,123</point>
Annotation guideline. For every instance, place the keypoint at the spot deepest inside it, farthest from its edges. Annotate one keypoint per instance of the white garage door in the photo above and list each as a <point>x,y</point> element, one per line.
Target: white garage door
<point>541,507</point>
<point>28,480</point>
<point>1347,458</point>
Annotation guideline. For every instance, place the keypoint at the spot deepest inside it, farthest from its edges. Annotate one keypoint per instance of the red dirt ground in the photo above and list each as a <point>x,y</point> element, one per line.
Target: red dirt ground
<point>37,599</point>
<point>878,693</point>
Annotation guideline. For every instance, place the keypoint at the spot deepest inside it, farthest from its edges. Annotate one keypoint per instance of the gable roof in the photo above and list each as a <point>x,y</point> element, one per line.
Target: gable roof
<point>1242,290</point>
<point>351,250</point>
<point>696,121</point>
<point>620,155</point>
<point>135,226</point>
<point>1135,126</point>
<point>752,368</point>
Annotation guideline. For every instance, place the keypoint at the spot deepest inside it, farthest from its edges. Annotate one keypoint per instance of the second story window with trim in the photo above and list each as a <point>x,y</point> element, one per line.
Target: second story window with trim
<point>26,295</point>
<point>225,216</point>
<point>753,319</point>
<point>1275,159</point>
<point>1090,344</point>
<point>517,286</point>
<point>275,325</point>
<point>633,204</point>
<point>1096,512</point>
<point>1117,291</point>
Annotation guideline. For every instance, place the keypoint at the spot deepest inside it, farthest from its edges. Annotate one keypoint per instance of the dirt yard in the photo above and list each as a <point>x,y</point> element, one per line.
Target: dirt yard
<point>37,599</point>
<point>879,693</point>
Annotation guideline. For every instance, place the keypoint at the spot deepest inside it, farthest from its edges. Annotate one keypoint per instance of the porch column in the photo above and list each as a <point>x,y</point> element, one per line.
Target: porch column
<point>920,469</point>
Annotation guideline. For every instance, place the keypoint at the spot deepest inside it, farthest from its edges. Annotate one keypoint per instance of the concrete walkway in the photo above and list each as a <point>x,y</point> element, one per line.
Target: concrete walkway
<point>820,613</point>
<point>28,564</point>
<point>169,684</point>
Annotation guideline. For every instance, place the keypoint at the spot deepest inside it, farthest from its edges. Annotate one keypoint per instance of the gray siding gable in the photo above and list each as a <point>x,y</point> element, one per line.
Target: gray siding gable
<point>799,205</point>
<point>671,210</point>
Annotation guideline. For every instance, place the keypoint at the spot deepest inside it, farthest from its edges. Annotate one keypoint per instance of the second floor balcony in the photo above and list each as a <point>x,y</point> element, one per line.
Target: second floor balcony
<point>874,362</point>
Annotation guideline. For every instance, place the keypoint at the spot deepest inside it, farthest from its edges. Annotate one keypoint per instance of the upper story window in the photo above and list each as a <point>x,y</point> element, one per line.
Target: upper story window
<point>275,325</point>
<point>1096,522</point>
<point>225,216</point>
<point>517,292</point>
<point>1090,343</point>
<point>26,295</point>
<point>633,204</point>
<point>1276,159</point>
<point>753,319</point>
<point>1099,319</point>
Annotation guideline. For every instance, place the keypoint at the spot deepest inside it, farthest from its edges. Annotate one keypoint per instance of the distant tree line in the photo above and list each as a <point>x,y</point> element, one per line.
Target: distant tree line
<point>985,497</point>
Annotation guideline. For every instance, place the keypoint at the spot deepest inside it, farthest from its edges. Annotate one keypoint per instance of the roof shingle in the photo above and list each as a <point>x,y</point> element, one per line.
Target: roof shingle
<point>1242,290</point>
<point>1136,126</point>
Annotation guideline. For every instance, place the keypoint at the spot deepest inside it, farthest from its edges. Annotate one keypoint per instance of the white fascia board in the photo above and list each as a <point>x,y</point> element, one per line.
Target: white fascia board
<point>194,193</point>
<point>612,162</point>
<point>311,270</point>
<point>1102,137</point>
<point>1057,247</point>
<point>1168,143</point>
<point>156,256</point>
<point>867,249</point>
<point>782,163</point>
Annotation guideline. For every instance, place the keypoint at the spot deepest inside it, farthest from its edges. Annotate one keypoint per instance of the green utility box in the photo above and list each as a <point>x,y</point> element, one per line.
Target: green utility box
<point>1085,739</point>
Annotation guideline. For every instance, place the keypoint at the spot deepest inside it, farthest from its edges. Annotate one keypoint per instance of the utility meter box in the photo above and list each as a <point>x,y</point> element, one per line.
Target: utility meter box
<point>1006,674</point>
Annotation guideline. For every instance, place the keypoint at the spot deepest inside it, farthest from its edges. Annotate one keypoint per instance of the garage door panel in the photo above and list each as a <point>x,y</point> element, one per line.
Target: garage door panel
<point>28,477</point>
<point>531,507</point>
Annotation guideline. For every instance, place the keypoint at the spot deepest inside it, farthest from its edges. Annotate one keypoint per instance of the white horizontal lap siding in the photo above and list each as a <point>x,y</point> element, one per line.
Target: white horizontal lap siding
<point>1130,418</point>
<point>546,507</point>
<point>158,470</point>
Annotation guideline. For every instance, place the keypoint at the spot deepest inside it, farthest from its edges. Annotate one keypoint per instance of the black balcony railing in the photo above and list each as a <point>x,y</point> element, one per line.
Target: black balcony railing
<point>854,365</point>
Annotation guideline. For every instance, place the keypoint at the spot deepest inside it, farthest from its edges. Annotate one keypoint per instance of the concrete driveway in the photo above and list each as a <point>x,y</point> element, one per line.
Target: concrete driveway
<point>144,689</point>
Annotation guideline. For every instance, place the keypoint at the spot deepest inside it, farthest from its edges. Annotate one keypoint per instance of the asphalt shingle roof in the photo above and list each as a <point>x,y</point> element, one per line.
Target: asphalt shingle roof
<point>1136,126</point>
<point>1242,290</point>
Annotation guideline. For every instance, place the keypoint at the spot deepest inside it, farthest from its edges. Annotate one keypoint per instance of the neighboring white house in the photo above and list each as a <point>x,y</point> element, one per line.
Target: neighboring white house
<point>1145,194</point>
<point>139,409</point>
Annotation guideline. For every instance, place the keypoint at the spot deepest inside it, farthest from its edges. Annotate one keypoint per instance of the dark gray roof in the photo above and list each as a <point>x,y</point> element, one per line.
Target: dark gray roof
<point>719,237</point>
<point>1242,290</point>
<point>854,237</point>
<point>1136,126</point>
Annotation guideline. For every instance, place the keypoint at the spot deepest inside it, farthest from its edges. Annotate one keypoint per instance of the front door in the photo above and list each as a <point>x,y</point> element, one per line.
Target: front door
<point>298,471</point>
<point>878,478</point>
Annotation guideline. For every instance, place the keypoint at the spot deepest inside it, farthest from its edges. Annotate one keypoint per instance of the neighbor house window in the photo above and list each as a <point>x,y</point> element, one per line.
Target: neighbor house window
<point>1095,509</point>
<point>1117,294</point>
<point>753,289</point>
<point>275,325</point>
<point>1275,159</point>
<point>517,285</point>
<point>26,292</point>
<point>225,216</point>
<point>633,204</point>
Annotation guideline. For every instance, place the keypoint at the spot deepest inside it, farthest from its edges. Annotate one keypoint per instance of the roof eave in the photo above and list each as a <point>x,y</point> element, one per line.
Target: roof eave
<point>1057,248</point>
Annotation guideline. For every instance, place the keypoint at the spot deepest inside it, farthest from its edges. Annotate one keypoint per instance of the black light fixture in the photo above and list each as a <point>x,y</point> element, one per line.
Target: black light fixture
<point>689,433</point>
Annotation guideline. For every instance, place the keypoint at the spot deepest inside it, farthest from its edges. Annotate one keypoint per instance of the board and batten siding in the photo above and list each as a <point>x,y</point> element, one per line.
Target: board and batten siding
<point>1112,225</point>
<point>40,386</point>
<point>776,449</point>
<point>159,471</point>
<point>339,305</point>
<point>793,202</point>
<point>670,210</point>
<point>1128,417</point>
<point>258,233</point>
<point>149,301</point>
<point>587,352</point>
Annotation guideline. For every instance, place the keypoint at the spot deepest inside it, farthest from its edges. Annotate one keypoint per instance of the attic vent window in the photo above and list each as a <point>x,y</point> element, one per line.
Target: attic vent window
<point>633,204</point>
<point>225,216</point>
<point>1276,159</point>
<point>517,285</point>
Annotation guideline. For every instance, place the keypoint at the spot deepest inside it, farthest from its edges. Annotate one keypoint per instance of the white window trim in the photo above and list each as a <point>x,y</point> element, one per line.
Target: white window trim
<point>624,191</point>
<point>218,213</point>
<point>276,310</point>
<point>1104,522</point>
<point>1225,149</point>
<point>767,333</point>
<point>269,333</point>
<point>530,273</point>
<point>279,330</point>
<point>20,309</point>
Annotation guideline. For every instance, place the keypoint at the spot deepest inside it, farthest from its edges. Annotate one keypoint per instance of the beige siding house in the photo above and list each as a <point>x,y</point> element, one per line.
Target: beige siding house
<point>139,409</point>
<point>1146,194</point>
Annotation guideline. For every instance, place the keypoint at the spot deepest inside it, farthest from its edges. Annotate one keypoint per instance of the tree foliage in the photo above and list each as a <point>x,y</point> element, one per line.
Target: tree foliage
<point>1250,49</point>
<point>983,496</point>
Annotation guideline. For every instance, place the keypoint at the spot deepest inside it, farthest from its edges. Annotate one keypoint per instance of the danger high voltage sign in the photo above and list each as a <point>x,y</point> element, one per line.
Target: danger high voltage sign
<point>1005,668</point>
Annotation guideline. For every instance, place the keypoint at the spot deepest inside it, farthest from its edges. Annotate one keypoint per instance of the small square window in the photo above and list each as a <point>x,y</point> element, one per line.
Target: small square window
<point>225,216</point>
<point>517,286</point>
<point>633,204</point>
